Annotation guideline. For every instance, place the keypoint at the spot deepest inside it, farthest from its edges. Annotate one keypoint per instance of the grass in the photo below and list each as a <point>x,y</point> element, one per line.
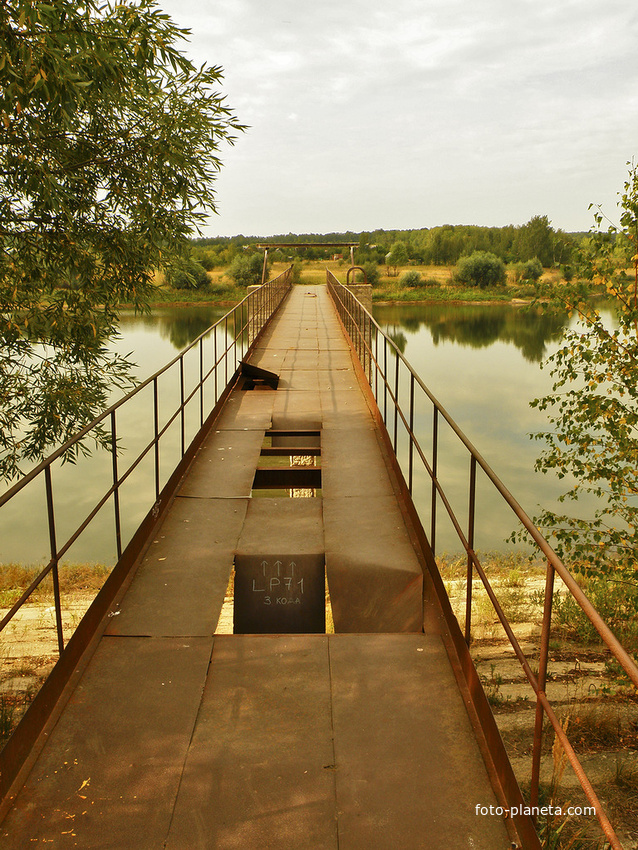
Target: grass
<point>29,645</point>
<point>597,708</point>
<point>438,285</point>
<point>616,602</point>
<point>15,578</point>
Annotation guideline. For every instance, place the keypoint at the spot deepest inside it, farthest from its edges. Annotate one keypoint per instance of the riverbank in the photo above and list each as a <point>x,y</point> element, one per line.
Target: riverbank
<point>438,287</point>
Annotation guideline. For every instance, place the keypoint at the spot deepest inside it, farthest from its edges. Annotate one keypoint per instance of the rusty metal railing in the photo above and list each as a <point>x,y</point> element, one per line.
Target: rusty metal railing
<point>396,388</point>
<point>211,362</point>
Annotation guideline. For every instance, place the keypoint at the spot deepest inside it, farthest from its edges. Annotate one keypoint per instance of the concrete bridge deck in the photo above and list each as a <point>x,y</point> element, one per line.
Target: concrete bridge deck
<point>177,737</point>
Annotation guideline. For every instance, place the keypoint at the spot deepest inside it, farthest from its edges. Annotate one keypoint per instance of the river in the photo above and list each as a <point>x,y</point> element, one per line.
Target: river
<point>482,362</point>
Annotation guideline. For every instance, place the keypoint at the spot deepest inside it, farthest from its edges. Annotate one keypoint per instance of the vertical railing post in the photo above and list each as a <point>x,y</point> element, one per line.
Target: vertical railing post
<point>226,350</point>
<point>181,407</point>
<point>376,366</point>
<point>411,435</point>
<point>215,363</point>
<point>244,330</point>
<point>370,361</point>
<point>385,380</point>
<point>55,575</point>
<point>542,680</point>
<point>156,438</point>
<point>201,382</point>
<point>116,489</point>
<point>396,399</point>
<point>435,464</point>
<point>470,552</point>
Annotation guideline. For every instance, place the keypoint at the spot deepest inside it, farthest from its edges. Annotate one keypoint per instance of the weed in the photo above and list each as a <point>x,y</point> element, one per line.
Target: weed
<point>514,578</point>
<point>626,775</point>
<point>616,602</point>
<point>595,727</point>
<point>15,578</point>
<point>492,686</point>
<point>7,714</point>
<point>515,603</point>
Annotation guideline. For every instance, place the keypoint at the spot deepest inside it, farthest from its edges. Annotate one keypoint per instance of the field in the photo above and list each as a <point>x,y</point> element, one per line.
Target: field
<point>439,285</point>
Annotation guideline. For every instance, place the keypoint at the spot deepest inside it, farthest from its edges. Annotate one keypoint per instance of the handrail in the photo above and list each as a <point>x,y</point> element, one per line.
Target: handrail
<point>363,329</point>
<point>248,318</point>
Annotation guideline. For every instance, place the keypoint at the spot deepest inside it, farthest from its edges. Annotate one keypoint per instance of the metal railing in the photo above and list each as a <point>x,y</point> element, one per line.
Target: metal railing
<point>198,377</point>
<point>397,390</point>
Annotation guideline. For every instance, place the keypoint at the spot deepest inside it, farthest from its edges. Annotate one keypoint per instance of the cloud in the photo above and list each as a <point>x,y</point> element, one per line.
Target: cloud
<point>443,111</point>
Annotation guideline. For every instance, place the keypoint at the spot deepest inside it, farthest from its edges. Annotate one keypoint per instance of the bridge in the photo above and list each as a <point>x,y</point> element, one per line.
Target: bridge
<point>340,708</point>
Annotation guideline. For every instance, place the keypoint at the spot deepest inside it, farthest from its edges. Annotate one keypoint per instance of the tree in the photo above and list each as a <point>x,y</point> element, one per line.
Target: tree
<point>109,148</point>
<point>247,269</point>
<point>536,239</point>
<point>398,255</point>
<point>481,269</point>
<point>593,408</point>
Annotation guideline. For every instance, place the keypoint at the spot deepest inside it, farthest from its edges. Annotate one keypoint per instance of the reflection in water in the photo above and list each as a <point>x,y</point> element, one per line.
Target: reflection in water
<point>398,338</point>
<point>460,352</point>
<point>179,325</point>
<point>476,326</point>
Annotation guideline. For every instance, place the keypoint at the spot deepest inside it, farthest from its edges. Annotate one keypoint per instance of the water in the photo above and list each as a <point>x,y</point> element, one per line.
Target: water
<point>481,362</point>
<point>151,341</point>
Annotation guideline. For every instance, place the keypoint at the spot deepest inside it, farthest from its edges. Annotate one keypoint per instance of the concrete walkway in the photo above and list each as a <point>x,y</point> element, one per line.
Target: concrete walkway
<point>180,738</point>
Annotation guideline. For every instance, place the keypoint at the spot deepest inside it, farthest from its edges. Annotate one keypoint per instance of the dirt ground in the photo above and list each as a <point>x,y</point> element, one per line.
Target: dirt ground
<point>594,703</point>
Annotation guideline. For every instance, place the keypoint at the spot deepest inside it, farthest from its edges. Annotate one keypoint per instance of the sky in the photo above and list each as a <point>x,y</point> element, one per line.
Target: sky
<point>406,114</point>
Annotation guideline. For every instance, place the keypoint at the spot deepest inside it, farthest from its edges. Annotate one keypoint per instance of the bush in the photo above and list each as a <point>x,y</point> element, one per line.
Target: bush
<point>481,269</point>
<point>208,259</point>
<point>188,274</point>
<point>531,270</point>
<point>246,269</point>
<point>296,272</point>
<point>371,270</point>
<point>411,279</point>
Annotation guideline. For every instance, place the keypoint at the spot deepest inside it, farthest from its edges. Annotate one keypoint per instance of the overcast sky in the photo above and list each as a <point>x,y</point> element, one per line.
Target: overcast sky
<point>400,114</point>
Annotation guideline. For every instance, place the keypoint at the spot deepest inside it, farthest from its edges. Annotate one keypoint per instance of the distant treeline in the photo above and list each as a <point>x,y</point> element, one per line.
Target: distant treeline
<point>443,245</point>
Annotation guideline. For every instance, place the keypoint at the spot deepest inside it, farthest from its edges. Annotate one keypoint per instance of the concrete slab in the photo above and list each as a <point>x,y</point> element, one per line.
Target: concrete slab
<point>110,773</point>
<point>374,576</point>
<point>321,360</point>
<point>282,526</point>
<point>299,381</point>
<point>260,772</point>
<point>225,464</point>
<point>179,587</point>
<point>247,411</point>
<point>338,379</point>
<point>339,407</point>
<point>352,464</point>
<point>300,410</point>
<point>270,359</point>
<point>409,773</point>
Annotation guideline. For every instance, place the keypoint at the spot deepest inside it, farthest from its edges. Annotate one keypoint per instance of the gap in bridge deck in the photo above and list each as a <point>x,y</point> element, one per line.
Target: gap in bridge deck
<point>225,622</point>
<point>279,575</point>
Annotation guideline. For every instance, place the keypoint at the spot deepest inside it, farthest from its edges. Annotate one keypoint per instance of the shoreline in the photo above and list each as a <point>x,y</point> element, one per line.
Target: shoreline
<point>423,302</point>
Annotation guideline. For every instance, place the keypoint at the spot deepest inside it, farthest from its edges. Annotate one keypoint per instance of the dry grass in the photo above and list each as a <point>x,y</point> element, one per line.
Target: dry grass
<point>74,578</point>
<point>597,707</point>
